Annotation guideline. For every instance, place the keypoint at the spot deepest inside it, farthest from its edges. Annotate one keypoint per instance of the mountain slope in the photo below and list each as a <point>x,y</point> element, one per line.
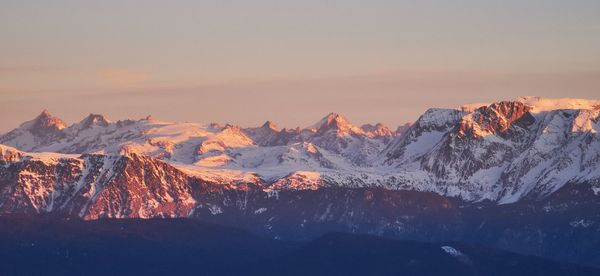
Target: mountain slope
<point>504,152</point>
<point>44,129</point>
<point>93,186</point>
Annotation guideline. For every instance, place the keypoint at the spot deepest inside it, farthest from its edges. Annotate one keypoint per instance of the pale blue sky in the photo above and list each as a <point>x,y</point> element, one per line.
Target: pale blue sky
<point>289,61</point>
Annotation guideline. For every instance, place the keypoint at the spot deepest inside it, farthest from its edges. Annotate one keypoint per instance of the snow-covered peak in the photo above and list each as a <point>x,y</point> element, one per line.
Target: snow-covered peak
<point>45,121</point>
<point>482,119</point>
<point>229,137</point>
<point>45,128</point>
<point>332,119</point>
<point>378,130</point>
<point>265,135</point>
<point>336,122</point>
<point>540,104</point>
<point>498,151</point>
<point>270,125</point>
<point>91,121</point>
<point>435,118</point>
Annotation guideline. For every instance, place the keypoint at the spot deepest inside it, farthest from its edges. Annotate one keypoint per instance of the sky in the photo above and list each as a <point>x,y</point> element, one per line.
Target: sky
<point>292,62</point>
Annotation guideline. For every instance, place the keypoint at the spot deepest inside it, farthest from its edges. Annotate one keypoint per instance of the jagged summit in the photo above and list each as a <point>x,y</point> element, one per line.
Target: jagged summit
<point>45,125</point>
<point>42,129</point>
<point>495,118</point>
<point>270,125</point>
<point>377,130</point>
<point>520,152</point>
<point>93,120</point>
<point>267,135</point>
<point>540,104</point>
<point>333,121</point>
<point>46,120</point>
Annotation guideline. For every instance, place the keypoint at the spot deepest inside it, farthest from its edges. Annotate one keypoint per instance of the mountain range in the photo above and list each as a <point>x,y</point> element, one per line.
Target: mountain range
<point>532,163</point>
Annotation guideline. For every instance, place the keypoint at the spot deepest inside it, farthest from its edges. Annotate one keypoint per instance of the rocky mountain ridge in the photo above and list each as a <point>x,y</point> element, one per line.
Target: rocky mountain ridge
<point>502,152</point>
<point>518,175</point>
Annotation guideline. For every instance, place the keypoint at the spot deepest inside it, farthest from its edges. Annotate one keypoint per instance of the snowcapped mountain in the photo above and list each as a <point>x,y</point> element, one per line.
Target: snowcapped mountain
<point>503,152</point>
<point>92,186</point>
<point>44,129</point>
<point>214,151</point>
<point>520,175</point>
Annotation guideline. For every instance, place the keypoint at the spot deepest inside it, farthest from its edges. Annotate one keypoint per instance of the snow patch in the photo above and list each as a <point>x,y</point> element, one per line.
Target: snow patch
<point>452,251</point>
<point>581,223</point>
<point>546,104</point>
<point>260,211</point>
<point>214,209</point>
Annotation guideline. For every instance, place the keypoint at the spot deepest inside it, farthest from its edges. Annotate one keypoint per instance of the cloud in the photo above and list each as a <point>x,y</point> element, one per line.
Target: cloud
<point>122,77</point>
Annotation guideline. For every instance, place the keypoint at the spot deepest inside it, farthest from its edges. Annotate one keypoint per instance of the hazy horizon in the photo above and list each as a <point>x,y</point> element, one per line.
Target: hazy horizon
<point>291,62</point>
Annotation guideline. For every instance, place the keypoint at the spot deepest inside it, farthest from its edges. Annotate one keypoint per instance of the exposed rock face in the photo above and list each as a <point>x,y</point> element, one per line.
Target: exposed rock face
<point>531,163</point>
<point>428,128</point>
<point>495,119</point>
<point>46,125</point>
<point>99,186</point>
<point>265,135</point>
<point>94,186</point>
<point>501,152</point>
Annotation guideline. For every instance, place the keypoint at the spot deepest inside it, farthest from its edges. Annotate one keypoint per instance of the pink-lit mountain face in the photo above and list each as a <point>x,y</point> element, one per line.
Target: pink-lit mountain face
<point>503,152</point>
